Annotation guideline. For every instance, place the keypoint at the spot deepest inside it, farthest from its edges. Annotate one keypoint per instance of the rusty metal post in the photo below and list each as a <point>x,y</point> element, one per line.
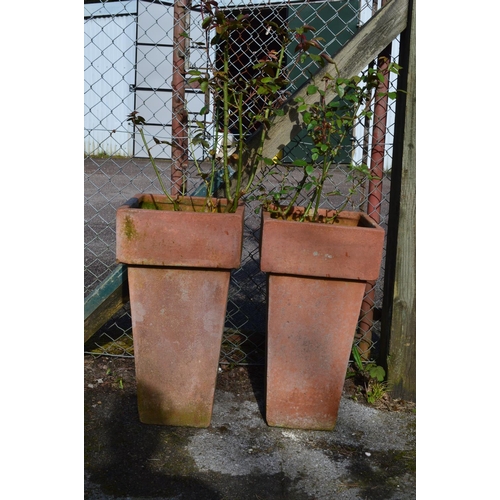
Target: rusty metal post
<point>367,122</point>
<point>180,151</point>
<point>375,193</point>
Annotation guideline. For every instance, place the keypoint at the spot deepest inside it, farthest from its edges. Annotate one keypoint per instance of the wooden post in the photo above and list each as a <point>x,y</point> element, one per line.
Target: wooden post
<point>399,310</point>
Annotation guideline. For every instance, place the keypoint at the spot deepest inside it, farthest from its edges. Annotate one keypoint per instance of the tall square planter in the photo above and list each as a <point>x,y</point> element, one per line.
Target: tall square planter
<point>317,275</point>
<point>179,266</point>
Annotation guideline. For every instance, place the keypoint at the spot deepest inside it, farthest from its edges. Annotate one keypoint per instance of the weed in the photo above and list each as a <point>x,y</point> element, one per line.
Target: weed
<point>369,378</point>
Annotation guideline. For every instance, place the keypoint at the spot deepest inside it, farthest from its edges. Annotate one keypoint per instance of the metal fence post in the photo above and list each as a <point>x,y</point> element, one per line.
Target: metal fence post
<point>180,146</point>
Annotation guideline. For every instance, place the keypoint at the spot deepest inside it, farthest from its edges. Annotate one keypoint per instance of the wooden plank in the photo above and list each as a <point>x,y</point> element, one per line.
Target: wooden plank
<point>105,301</point>
<point>399,318</point>
<point>365,46</point>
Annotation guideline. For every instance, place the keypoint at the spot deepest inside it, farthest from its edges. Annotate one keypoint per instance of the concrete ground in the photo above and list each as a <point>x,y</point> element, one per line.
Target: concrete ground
<point>369,455</point>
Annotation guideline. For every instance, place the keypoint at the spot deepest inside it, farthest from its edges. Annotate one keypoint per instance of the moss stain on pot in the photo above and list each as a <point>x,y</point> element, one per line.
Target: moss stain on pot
<point>149,205</point>
<point>129,228</point>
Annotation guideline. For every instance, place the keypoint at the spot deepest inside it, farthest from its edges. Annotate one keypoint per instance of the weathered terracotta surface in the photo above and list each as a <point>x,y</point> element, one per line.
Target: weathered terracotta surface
<point>186,238</point>
<point>177,322</point>
<point>178,306</point>
<point>351,249</point>
<point>312,314</point>
<point>311,327</point>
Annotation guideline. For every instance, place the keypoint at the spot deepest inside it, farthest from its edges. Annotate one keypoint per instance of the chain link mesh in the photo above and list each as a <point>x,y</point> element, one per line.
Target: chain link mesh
<point>129,65</point>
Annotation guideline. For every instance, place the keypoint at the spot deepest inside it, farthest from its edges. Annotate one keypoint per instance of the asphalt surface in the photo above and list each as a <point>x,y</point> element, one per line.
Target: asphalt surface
<point>369,455</point>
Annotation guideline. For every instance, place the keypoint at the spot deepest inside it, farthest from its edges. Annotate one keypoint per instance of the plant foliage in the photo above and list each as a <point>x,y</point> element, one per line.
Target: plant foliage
<point>232,163</point>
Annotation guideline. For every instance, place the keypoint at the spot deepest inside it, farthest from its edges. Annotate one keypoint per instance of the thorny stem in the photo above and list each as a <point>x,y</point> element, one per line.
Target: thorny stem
<point>225,89</point>
<point>240,148</point>
<point>298,190</point>
<point>208,199</point>
<point>210,187</point>
<point>266,115</point>
<point>174,202</point>
<point>327,163</point>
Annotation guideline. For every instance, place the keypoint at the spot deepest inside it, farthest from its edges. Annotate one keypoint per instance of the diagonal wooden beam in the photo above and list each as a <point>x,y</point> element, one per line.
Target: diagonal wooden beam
<point>105,301</point>
<point>364,47</point>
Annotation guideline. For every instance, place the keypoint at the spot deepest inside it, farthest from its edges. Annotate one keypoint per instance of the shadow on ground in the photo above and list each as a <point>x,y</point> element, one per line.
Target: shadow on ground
<point>369,455</point>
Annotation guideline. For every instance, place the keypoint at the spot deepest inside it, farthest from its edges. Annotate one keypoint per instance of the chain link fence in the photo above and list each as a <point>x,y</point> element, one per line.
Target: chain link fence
<point>131,64</point>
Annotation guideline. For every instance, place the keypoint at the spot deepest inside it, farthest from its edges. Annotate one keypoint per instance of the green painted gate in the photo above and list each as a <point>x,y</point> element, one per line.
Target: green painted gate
<point>342,25</point>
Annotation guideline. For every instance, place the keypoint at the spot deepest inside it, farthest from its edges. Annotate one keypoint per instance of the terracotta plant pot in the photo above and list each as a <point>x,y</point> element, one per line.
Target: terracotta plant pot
<point>178,273</point>
<point>317,275</point>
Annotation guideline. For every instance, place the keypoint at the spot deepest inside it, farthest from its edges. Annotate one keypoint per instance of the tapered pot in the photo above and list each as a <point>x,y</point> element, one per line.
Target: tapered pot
<point>178,273</point>
<point>317,275</point>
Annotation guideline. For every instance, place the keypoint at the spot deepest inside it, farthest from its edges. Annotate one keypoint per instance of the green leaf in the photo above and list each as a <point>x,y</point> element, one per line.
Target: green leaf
<point>206,22</point>
<point>357,358</point>
<point>312,89</point>
<point>300,163</point>
<point>327,58</point>
<point>305,28</point>
<point>336,192</point>
<point>394,68</point>
<point>377,372</point>
<point>363,168</point>
<point>309,170</point>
